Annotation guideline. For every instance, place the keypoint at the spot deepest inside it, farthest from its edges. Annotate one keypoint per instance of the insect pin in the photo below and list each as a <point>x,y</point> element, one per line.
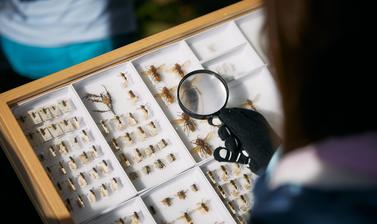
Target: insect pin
<point>201,146</point>
<point>186,122</point>
<point>103,98</point>
<point>166,94</point>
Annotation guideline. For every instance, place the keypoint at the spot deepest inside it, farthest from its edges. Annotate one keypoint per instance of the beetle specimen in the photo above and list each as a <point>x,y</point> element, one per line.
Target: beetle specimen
<point>171,157</point>
<point>62,169</point>
<point>181,195</point>
<point>104,127</point>
<point>187,218</point>
<point>144,111</point>
<point>84,136</point>
<point>162,144</point>
<point>147,169</point>
<point>124,160</point>
<point>127,138</point>
<point>80,202</point>
<point>224,173</point>
<point>132,96</point>
<point>72,163</point>
<point>211,176</point>
<point>104,167</point>
<point>159,164</point>
<point>84,158</point>
<point>94,173</point>
<point>194,188</point>
<point>141,133</point>
<point>103,191</point>
<point>125,79</point>
<point>114,184</point>
<point>82,180</point>
<point>152,128</point>
<point>203,208</point>
<point>187,123</point>
<point>91,196</point>
<point>115,145</point>
<point>135,219</point>
<point>94,152</point>
<point>103,98</point>
<point>201,146</point>
<point>153,72</point>
<point>149,150</point>
<point>166,94</point>
<point>166,201</point>
<point>138,156</point>
<point>71,185</point>
<point>76,122</point>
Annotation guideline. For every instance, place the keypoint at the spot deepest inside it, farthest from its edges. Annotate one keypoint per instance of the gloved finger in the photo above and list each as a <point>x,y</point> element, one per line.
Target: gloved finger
<point>222,154</point>
<point>231,143</point>
<point>223,132</point>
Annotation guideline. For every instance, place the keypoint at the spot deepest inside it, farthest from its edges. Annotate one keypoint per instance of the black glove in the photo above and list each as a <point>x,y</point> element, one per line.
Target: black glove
<point>247,137</point>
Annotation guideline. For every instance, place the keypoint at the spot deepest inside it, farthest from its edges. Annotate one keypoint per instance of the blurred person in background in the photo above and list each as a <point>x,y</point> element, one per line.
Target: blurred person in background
<point>40,37</point>
<point>326,169</point>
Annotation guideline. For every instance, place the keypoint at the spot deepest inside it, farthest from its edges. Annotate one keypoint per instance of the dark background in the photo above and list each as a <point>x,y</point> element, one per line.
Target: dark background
<point>153,16</point>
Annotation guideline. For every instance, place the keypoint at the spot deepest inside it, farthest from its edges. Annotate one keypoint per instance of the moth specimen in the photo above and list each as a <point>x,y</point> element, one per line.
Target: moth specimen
<point>103,98</point>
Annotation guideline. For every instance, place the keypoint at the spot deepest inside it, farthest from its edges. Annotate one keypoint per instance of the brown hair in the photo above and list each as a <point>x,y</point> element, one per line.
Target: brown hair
<point>319,52</point>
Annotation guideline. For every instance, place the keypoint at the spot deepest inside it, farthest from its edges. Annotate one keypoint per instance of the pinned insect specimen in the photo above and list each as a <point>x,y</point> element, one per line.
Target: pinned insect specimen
<point>141,133</point>
<point>94,152</point>
<point>84,158</point>
<point>221,191</point>
<point>247,180</point>
<point>94,173</point>
<point>144,111</point>
<point>181,195</point>
<point>236,169</point>
<point>124,160</point>
<point>167,201</point>
<point>120,221</point>
<point>114,145</point>
<point>194,188</point>
<point>131,119</point>
<point>138,156</point>
<point>66,126</point>
<point>55,130</point>
<point>135,219</point>
<point>239,220</point>
<point>166,94</point>
<point>152,210</point>
<point>62,169</point>
<point>76,122</point>
<point>71,185</point>
<point>133,175</point>
<point>201,146</point>
<point>114,184</point>
<point>152,128</point>
<point>118,122</point>
<point>132,97</point>
<point>153,72</point>
<point>127,139</point>
<point>72,163</point>
<point>35,118</point>
<point>75,143</point>
<point>147,169</point>
<point>104,98</point>
<point>162,144</point>
<point>104,167</point>
<point>235,191</point>
<point>125,79</point>
<point>178,68</point>
<point>103,191</point>
<point>159,164</point>
<point>231,207</point>
<point>68,204</point>
<point>171,157</point>
<point>104,126</point>
<point>211,176</point>
<point>224,173</point>
<point>52,151</point>
<point>91,196</point>
<point>82,180</point>
<point>65,106</point>
<point>80,202</point>
<point>84,136</point>
<point>149,150</point>
<point>187,218</point>
<point>249,104</point>
<point>55,111</point>
<point>62,148</point>
<point>187,123</point>
<point>203,208</point>
<point>45,114</point>
<point>243,203</point>
<point>45,134</point>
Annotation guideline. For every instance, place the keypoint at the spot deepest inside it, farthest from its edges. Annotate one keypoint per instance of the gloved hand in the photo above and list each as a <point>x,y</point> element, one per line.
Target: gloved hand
<point>248,138</point>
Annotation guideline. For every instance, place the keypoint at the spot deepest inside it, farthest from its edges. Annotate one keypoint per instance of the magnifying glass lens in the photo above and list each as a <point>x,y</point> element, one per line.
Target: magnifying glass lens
<point>202,93</point>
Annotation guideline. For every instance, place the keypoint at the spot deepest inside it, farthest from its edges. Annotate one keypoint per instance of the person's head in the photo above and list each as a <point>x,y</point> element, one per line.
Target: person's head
<point>320,51</point>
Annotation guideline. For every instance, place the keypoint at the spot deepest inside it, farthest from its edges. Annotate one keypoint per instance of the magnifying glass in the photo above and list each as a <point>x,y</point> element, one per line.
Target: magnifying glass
<point>202,94</point>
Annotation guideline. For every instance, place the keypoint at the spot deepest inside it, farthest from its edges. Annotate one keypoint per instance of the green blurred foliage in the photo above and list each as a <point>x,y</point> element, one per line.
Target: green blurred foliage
<point>157,15</point>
